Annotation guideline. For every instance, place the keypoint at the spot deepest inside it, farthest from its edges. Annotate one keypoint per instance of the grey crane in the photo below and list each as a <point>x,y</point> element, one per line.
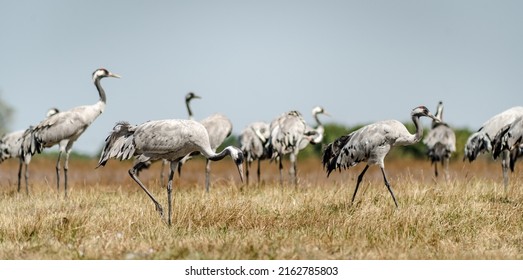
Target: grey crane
<point>509,140</point>
<point>163,139</point>
<point>440,142</point>
<point>371,144</point>
<point>289,133</point>
<point>188,97</point>
<point>10,146</point>
<point>481,141</point>
<point>253,140</point>
<point>65,127</point>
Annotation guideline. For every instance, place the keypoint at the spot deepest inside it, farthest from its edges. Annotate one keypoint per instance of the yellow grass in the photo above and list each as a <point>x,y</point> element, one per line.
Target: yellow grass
<point>107,216</point>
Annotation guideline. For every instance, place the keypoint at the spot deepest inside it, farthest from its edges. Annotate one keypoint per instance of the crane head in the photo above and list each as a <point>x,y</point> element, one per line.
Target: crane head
<point>319,110</point>
<point>103,73</point>
<point>422,111</point>
<point>189,96</point>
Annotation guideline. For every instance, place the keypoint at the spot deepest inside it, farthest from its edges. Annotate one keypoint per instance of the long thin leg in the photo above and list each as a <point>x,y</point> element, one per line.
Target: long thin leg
<point>504,166</point>
<point>293,170</point>
<point>281,170</point>
<point>247,167</point>
<point>174,166</point>
<point>436,169</point>
<point>132,173</point>
<point>58,170</point>
<point>26,177</point>
<point>360,177</point>
<point>207,175</point>
<point>258,172</point>
<point>66,169</point>
<point>388,185</point>
<point>20,173</point>
<point>446,168</point>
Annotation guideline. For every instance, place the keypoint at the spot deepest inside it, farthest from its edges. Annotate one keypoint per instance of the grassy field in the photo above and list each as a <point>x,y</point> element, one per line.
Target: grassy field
<point>107,216</point>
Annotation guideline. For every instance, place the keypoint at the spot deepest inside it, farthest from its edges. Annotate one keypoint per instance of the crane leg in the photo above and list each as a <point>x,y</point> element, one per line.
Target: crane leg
<point>360,177</point>
<point>258,173</point>
<point>207,175</point>
<point>132,173</point>
<point>58,171</point>
<point>504,166</point>
<point>247,167</point>
<point>66,169</point>
<point>446,169</point>
<point>293,170</point>
<point>26,175</point>
<point>174,166</point>
<point>20,174</point>
<point>281,171</point>
<point>388,186</point>
<point>436,169</point>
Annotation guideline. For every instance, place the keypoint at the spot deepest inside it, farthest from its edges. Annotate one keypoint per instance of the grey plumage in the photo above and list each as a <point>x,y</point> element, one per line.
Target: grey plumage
<point>371,144</point>
<point>481,141</point>
<point>188,98</point>
<point>440,142</point>
<point>289,133</point>
<point>10,147</point>
<point>509,139</point>
<point>253,140</point>
<point>65,127</point>
<point>163,139</point>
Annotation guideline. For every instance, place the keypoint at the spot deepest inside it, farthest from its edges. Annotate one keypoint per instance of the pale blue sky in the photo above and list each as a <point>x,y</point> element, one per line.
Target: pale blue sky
<point>362,61</point>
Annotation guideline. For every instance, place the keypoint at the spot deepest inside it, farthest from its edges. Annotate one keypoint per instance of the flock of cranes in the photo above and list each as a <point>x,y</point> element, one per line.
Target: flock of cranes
<point>176,140</point>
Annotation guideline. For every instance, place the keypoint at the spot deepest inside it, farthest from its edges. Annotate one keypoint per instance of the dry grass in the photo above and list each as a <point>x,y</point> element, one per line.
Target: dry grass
<point>107,216</point>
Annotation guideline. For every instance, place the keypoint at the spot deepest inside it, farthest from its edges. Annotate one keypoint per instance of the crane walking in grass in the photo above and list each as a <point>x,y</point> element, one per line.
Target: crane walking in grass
<point>440,142</point>
<point>481,141</point>
<point>10,146</point>
<point>371,144</point>
<point>65,127</point>
<point>509,140</point>
<point>163,139</point>
<point>253,140</point>
<point>289,134</point>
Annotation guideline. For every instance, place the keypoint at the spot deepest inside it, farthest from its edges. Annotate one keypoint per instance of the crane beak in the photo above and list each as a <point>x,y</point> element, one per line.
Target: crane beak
<point>114,75</point>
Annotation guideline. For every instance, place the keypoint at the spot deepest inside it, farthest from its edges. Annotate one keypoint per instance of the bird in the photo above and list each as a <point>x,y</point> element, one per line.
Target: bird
<point>371,144</point>
<point>65,127</point>
<point>509,140</point>
<point>289,133</point>
<point>10,146</point>
<point>440,142</point>
<point>188,97</point>
<point>170,139</point>
<point>481,141</point>
<point>253,140</point>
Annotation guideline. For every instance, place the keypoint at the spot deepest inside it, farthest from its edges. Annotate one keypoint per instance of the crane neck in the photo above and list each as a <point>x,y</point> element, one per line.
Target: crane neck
<point>189,111</point>
<point>419,129</point>
<point>218,156</point>
<point>101,91</point>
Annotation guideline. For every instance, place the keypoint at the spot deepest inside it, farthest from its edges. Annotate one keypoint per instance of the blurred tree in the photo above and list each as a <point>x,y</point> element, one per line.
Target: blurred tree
<point>6,114</point>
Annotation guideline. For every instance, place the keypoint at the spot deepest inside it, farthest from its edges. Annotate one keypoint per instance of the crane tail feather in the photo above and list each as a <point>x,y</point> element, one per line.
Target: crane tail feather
<point>119,144</point>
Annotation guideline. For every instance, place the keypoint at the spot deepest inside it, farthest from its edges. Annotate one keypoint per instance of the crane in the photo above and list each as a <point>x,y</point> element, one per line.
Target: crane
<point>163,139</point>
<point>371,144</point>
<point>65,127</point>
<point>440,142</point>
<point>481,141</point>
<point>10,146</point>
<point>253,140</point>
<point>509,140</point>
<point>289,133</point>
<point>188,97</point>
